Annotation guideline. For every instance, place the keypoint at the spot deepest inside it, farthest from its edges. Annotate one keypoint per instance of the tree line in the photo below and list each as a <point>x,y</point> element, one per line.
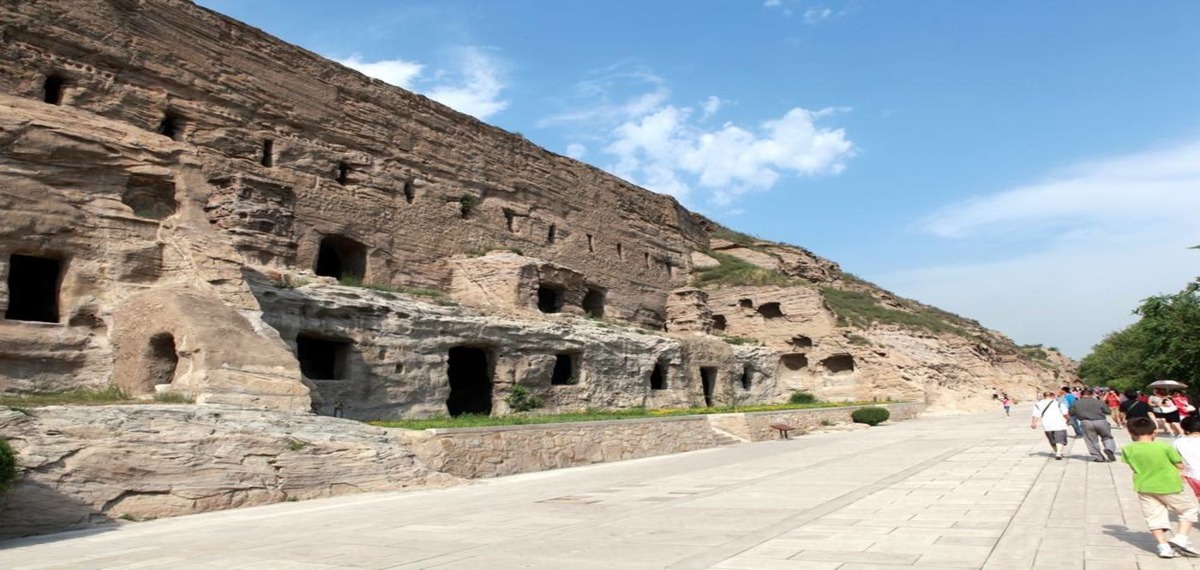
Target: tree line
<point>1164,344</point>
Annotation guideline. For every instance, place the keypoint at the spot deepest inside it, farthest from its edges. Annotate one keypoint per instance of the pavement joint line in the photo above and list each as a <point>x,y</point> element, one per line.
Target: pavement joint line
<point>723,552</point>
<point>1024,500</point>
<point>467,553</point>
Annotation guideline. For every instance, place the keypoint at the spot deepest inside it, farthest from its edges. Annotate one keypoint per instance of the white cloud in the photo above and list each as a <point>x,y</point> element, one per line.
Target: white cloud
<point>593,100</point>
<point>478,90</point>
<point>772,3</point>
<point>397,72</point>
<point>1128,190</point>
<point>666,152</point>
<point>473,86</point>
<point>1103,235</point>
<point>671,149</point>
<point>576,150</point>
<point>817,14</point>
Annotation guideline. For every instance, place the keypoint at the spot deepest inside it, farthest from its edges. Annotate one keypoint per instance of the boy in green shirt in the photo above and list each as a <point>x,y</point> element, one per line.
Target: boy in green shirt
<point>1159,486</point>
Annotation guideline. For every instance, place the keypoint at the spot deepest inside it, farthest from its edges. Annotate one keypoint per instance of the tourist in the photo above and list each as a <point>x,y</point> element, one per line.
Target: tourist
<point>1160,488</point>
<point>1007,403</point>
<point>1053,415</point>
<point>1164,409</point>
<point>1113,401</point>
<point>1189,447</point>
<point>1134,406</point>
<point>1185,407</point>
<point>1069,398</point>
<point>1092,414</point>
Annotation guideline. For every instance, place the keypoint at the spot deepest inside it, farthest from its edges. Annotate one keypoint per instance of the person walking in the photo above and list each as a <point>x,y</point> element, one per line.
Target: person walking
<point>1113,401</point>
<point>1160,487</point>
<point>1092,415</point>
<point>1053,416</point>
<point>1164,409</point>
<point>1068,398</point>
<point>1007,403</point>
<point>1134,406</point>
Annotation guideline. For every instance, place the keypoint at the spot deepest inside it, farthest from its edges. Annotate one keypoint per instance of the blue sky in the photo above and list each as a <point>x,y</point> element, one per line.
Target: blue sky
<point>1034,165</point>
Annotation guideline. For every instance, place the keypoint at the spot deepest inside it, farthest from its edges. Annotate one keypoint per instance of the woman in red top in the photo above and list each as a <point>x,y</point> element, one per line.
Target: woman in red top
<point>1181,402</point>
<point>1113,402</point>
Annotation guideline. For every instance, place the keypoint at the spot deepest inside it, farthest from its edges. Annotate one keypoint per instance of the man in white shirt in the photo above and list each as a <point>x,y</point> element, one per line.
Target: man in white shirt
<point>1053,415</point>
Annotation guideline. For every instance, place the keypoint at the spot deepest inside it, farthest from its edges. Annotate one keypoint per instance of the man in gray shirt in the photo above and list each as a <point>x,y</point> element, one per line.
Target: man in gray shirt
<point>1093,415</point>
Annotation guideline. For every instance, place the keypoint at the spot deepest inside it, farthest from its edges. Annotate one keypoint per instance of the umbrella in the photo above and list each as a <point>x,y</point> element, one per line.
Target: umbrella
<point>1169,384</point>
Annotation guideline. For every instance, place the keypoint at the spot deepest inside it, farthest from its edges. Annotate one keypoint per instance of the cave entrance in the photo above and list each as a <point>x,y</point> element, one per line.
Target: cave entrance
<point>770,310</point>
<point>593,302</point>
<point>708,379</point>
<point>162,361</point>
<point>720,323</point>
<point>746,378</point>
<point>322,358</point>
<point>839,364</point>
<point>52,89</point>
<point>470,374</point>
<point>33,288</point>
<point>566,369</point>
<point>658,377</point>
<point>549,299</point>
<point>794,361</point>
<point>341,258</point>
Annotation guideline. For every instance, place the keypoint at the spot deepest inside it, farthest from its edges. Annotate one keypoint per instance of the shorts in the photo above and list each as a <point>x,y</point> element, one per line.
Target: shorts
<point>1157,507</point>
<point>1169,417</point>
<point>1057,437</point>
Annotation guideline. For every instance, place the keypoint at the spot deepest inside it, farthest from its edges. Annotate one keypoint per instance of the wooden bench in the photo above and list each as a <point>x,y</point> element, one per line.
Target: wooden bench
<point>783,430</point>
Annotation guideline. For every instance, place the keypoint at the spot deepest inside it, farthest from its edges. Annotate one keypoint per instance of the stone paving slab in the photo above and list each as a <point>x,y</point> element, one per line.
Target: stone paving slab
<point>979,492</point>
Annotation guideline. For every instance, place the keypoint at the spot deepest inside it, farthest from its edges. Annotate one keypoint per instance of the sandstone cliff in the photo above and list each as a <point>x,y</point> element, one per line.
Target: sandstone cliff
<point>190,206</point>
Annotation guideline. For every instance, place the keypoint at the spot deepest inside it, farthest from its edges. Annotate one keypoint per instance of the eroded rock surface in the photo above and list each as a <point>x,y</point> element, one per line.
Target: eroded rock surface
<point>84,465</point>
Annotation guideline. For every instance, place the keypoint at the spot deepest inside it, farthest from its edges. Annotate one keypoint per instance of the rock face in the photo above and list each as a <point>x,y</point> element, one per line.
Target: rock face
<point>87,464</point>
<point>189,205</point>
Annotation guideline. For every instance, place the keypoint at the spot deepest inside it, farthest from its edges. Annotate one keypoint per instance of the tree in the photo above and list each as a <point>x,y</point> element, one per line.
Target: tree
<point>1163,344</point>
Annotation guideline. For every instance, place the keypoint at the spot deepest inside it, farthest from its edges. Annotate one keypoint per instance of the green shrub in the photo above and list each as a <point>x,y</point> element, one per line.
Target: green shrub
<point>858,340</point>
<point>739,340</point>
<point>860,309</point>
<point>467,203</point>
<point>520,400</point>
<point>802,398</point>
<point>8,466</point>
<point>736,271</point>
<point>870,415</point>
<point>173,398</point>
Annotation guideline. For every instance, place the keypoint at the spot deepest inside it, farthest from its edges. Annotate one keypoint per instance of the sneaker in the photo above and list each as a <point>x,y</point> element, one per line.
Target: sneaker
<point>1184,545</point>
<point>1110,455</point>
<point>1165,551</point>
<point>1058,456</point>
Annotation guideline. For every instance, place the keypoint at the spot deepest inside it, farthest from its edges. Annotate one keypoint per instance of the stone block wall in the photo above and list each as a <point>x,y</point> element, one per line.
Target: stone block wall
<point>505,450</point>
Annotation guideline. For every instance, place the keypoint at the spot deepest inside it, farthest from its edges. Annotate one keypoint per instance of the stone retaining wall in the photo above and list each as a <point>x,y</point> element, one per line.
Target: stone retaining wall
<point>506,450</point>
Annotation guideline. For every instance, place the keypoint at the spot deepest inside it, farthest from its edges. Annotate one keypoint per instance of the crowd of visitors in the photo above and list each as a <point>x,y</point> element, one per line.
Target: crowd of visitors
<point>1166,477</point>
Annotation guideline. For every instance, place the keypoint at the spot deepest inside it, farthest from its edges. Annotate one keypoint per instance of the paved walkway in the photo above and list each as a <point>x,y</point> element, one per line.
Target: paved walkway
<point>963,492</point>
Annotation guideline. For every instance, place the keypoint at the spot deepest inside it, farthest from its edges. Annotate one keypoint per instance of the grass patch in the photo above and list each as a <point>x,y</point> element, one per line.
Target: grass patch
<point>860,309</point>
<point>100,396</point>
<point>739,340</point>
<point>735,271</point>
<point>1035,352</point>
<point>173,398</point>
<point>735,236</point>
<point>414,291</point>
<point>858,340</point>
<point>466,421</point>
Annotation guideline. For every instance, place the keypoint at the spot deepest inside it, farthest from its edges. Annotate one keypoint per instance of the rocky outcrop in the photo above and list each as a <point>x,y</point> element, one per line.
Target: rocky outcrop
<point>83,465</point>
<point>188,205</point>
